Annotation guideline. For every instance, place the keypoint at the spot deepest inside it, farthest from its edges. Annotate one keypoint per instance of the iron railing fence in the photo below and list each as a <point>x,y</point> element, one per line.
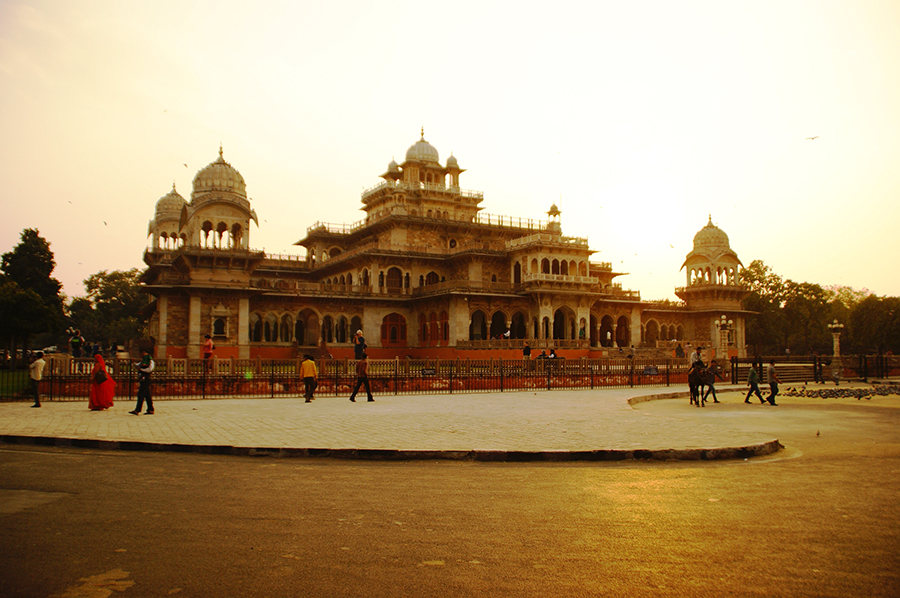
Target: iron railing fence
<point>803,368</point>
<point>67,379</point>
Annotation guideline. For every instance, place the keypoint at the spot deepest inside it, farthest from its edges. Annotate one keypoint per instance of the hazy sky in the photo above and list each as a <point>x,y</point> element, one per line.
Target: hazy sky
<point>639,119</point>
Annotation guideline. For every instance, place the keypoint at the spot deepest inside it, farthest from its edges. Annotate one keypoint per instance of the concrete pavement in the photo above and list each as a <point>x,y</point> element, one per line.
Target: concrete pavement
<point>512,426</point>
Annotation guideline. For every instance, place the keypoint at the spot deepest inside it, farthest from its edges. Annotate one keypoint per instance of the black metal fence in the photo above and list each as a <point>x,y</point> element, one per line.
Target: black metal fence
<point>67,379</point>
<point>809,368</point>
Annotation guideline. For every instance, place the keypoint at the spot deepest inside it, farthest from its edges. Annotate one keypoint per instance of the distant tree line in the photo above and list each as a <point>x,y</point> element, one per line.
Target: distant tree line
<point>794,316</point>
<point>34,312</point>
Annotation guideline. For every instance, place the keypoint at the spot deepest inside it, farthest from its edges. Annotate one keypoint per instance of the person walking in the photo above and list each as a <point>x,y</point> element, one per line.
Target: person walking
<point>145,368</point>
<point>711,373</point>
<point>35,373</point>
<point>359,345</point>
<point>102,386</point>
<point>309,373</point>
<point>753,383</point>
<point>362,378</point>
<point>773,382</point>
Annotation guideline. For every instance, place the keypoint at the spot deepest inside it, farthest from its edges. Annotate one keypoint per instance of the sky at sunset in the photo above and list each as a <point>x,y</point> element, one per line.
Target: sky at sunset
<point>640,120</point>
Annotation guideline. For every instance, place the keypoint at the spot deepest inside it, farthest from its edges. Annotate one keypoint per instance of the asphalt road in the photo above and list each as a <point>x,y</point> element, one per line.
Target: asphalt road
<point>819,518</point>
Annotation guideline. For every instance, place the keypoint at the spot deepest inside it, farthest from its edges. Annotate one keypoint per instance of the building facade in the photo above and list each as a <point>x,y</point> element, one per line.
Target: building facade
<point>424,274</point>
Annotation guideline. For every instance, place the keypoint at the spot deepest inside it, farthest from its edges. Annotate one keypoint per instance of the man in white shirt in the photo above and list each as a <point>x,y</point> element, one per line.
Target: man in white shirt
<point>36,372</point>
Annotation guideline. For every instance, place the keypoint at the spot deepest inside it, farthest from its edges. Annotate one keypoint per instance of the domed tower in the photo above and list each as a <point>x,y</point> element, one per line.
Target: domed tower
<point>219,214</point>
<point>554,225</point>
<point>164,228</point>
<point>420,187</point>
<point>714,291</point>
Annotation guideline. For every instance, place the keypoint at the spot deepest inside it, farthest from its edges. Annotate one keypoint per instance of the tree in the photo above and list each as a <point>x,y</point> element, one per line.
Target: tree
<point>806,316</point>
<point>31,299</point>
<point>876,324</point>
<point>30,265</point>
<point>112,310</point>
<point>766,328</point>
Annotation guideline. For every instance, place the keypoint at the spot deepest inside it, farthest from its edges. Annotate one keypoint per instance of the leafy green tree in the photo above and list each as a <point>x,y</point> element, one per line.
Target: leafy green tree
<point>32,302</point>
<point>806,315</point>
<point>766,329</point>
<point>112,310</point>
<point>876,324</point>
<point>30,265</point>
<point>24,314</point>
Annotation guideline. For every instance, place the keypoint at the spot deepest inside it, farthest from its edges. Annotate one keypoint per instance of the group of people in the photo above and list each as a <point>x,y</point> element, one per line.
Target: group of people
<point>102,385</point>
<point>526,353</point>
<point>712,372</point>
<point>310,373</point>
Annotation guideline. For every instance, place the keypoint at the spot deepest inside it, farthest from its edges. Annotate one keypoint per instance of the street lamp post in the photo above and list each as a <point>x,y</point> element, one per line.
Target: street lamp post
<point>725,326</point>
<point>836,364</point>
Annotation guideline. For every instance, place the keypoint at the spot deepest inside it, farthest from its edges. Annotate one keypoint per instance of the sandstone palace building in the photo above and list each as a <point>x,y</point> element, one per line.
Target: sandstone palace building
<point>424,274</point>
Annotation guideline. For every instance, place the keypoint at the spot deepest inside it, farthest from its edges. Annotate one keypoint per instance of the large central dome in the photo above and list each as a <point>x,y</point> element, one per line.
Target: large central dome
<point>422,151</point>
<point>220,176</point>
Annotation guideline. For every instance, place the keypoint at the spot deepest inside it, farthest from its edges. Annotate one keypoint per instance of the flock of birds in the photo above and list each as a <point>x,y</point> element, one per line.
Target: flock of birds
<point>880,390</point>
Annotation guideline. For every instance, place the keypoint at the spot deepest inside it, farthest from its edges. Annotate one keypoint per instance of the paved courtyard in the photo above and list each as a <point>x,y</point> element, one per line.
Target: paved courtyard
<point>554,425</point>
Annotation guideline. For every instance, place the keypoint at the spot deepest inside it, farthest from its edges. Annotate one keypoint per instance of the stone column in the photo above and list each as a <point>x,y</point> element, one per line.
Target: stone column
<point>194,336</point>
<point>162,307</point>
<point>243,328</point>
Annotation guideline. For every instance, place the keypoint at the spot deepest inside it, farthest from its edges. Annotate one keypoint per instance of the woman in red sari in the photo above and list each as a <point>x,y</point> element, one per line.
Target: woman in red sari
<point>101,392</point>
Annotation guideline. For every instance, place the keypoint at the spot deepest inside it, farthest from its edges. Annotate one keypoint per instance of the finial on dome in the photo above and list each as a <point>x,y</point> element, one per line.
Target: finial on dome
<point>710,219</point>
<point>173,185</point>
<point>220,151</point>
<point>422,132</point>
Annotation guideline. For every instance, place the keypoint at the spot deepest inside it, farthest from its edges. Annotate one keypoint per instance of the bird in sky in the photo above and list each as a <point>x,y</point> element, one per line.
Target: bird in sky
<point>812,138</point>
<point>185,165</point>
<point>104,223</point>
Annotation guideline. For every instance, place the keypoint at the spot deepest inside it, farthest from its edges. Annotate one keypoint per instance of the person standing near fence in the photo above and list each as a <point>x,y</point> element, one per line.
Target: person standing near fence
<point>773,382</point>
<point>145,368</point>
<point>362,378</point>
<point>309,373</point>
<point>753,383</point>
<point>36,372</point>
<point>76,343</point>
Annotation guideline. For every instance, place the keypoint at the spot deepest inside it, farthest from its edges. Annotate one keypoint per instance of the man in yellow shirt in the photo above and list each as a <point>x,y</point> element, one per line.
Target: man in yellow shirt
<point>309,373</point>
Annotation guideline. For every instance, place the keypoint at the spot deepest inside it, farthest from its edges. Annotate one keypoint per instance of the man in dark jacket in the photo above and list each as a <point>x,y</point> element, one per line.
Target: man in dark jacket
<point>362,378</point>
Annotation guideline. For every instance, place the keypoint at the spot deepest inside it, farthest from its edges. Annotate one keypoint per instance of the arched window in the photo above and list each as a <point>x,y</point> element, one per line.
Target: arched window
<point>393,330</point>
<point>287,325</point>
<point>554,267</point>
<point>328,329</point>
<point>445,328</point>
<point>432,278</point>
<point>478,326</point>
<point>564,268</point>
<point>423,329</point>
<point>340,330</point>
<point>255,328</point>
<point>394,280</point>
<point>517,273</point>
<point>219,327</point>
<point>545,266</point>
<point>651,333</point>
<point>270,329</point>
<point>498,324</point>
